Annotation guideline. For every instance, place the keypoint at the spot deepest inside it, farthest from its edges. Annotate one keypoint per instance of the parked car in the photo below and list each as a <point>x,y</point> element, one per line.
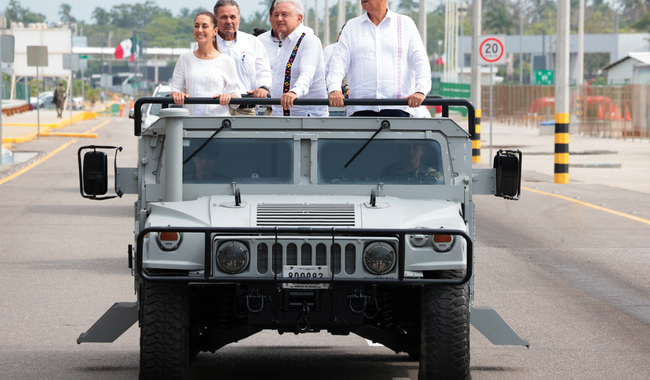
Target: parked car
<point>77,103</point>
<point>45,99</point>
<point>150,111</point>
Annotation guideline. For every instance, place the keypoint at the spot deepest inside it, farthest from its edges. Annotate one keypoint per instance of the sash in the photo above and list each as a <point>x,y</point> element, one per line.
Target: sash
<point>287,72</point>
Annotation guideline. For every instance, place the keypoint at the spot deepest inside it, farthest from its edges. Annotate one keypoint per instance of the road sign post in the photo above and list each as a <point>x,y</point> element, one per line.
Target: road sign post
<point>71,62</point>
<point>37,57</point>
<point>491,53</point>
<point>6,56</point>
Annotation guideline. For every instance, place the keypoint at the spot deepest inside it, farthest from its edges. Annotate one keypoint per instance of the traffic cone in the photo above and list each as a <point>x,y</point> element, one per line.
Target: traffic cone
<point>115,98</point>
<point>600,111</point>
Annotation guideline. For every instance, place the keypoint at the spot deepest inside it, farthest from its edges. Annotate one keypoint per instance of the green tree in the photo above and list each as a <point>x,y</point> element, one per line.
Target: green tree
<point>16,13</point>
<point>64,12</point>
<point>498,20</point>
<point>101,16</point>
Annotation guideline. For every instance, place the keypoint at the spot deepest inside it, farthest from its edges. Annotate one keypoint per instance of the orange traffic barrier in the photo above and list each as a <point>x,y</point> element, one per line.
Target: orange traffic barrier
<point>600,112</point>
<point>121,109</point>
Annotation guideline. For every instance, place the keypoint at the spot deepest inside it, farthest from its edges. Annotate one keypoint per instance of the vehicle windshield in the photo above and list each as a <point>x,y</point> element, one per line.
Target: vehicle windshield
<point>255,161</point>
<point>408,162</point>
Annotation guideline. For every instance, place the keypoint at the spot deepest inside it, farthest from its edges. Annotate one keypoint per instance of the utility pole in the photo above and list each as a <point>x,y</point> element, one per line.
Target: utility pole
<point>463,11</point>
<point>422,22</point>
<point>475,87</point>
<point>326,20</point>
<point>581,44</point>
<point>521,45</point>
<point>316,21</point>
<point>562,95</point>
<point>340,19</point>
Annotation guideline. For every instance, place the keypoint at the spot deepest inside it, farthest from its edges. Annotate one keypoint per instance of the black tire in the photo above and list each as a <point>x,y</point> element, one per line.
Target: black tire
<point>444,350</point>
<point>164,337</point>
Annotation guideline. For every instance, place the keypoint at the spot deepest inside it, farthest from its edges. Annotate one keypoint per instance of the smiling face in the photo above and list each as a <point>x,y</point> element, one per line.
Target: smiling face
<point>374,5</point>
<point>287,19</point>
<point>228,21</point>
<point>204,29</point>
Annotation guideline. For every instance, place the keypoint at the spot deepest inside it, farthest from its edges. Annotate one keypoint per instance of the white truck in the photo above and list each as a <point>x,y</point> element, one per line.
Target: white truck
<point>302,225</point>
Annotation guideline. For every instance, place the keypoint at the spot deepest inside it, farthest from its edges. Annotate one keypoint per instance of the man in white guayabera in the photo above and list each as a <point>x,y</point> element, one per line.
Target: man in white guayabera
<point>248,52</point>
<point>299,70</point>
<point>383,55</point>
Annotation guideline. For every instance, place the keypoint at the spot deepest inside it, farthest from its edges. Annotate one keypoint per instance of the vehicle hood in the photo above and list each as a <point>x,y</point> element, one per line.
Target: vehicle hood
<point>308,211</point>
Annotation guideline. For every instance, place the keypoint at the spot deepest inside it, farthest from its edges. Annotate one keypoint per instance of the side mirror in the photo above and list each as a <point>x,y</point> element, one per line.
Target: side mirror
<point>508,173</point>
<point>93,174</point>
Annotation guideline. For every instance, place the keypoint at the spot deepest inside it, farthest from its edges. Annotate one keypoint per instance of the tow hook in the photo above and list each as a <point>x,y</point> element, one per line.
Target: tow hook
<point>254,301</point>
<point>304,323</point>
<point>358,302</point>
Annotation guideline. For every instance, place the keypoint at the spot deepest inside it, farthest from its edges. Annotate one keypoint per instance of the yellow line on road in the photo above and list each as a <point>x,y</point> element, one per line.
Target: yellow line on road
<point>36,163</point>
<point>635,218</point>
<point>97,127</point>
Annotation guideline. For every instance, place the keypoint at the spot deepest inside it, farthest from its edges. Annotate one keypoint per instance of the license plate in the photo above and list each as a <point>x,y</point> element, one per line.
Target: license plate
<point>306,272</point>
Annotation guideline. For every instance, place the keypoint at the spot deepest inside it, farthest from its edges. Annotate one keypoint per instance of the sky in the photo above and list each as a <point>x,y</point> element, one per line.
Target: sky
<point>82,9</point>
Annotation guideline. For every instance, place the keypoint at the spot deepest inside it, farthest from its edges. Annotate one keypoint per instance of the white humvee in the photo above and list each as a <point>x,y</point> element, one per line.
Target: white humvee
<point>344,225</point>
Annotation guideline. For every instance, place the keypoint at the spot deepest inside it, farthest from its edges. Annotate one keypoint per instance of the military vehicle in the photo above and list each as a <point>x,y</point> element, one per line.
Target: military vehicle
<point>302,225</point>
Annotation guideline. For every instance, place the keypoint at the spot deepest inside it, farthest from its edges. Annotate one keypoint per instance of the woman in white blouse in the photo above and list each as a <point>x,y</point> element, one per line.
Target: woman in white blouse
<point>206,72</point>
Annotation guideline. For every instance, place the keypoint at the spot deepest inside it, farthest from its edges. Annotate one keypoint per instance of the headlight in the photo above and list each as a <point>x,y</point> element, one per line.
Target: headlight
<point>379,258</point>
<point>443,243</point>
<point>168,241</point>
<point>232,257</point>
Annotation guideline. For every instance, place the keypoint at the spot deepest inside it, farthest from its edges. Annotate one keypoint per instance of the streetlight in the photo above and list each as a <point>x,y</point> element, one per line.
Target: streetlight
<point>462,11</point>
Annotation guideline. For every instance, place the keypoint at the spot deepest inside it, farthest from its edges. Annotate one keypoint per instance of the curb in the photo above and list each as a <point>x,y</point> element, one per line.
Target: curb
<point>86,115</point>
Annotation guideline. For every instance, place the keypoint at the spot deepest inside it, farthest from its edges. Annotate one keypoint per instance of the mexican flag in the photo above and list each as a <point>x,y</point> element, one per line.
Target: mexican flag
<point>128,48</point>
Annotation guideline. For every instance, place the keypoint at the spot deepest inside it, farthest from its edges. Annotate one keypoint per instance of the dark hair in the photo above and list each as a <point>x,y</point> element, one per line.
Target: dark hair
<point>213,18</point>
<point>272,8</point>
<point>258,31</point>
<point>222,3</point>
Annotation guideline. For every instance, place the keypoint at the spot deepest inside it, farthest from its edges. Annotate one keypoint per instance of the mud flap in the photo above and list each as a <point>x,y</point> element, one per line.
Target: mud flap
<point>489,323</point>
<point>119,318</point>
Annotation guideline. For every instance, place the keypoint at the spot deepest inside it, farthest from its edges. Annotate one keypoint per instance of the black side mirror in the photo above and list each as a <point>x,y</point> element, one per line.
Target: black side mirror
<point>508,173</point>
<point>93,174</point>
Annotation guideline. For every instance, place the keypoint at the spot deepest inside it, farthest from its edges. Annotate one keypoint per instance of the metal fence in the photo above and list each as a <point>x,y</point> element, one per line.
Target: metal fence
<point>604,111</point>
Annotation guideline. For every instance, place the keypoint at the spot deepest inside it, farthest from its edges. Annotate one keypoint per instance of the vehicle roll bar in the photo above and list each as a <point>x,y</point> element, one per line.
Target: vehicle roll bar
<point>431,100</point>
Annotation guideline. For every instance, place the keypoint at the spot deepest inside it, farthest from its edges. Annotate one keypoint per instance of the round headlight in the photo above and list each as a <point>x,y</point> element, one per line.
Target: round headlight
<point>232,257</point>
<point>379,258</point>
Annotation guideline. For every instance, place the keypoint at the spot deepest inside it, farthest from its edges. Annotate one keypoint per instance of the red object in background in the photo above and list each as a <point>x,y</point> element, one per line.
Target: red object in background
<point>436,109</point>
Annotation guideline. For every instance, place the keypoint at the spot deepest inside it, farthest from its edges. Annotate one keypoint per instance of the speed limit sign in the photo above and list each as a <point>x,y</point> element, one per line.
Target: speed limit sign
<point>492,50</point>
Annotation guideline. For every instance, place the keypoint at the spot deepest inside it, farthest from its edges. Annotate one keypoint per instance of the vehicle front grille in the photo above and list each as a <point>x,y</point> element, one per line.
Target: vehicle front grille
<point>340,261</point>
<point>306,215</point>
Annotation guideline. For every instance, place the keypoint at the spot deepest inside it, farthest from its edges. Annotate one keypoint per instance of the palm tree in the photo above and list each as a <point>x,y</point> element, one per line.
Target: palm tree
<point>64,12</point>
<point>498,20</point>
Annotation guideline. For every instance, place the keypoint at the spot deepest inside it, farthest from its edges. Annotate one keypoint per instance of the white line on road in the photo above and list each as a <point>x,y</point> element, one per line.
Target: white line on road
<point>373,344</point>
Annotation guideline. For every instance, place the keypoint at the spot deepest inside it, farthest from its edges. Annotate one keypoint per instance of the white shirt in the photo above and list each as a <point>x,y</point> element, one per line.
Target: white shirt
<point>307,73</point>
<point>250,59</point>
<point>206,78</point>
<point>385,61</point>
<point>272,46</point>
<point>328,51</point>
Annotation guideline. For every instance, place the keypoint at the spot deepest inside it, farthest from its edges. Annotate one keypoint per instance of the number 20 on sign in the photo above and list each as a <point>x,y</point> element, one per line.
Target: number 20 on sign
<point>492,50</point>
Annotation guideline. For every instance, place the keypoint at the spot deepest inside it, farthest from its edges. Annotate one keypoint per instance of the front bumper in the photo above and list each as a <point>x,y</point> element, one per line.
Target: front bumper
<point>276,232</point>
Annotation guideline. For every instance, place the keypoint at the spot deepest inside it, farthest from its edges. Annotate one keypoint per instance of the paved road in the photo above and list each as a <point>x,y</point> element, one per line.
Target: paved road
<point>569,274</point>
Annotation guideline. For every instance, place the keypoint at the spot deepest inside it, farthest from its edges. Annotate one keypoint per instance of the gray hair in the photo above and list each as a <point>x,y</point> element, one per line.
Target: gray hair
<point>296,3</point>
<point>223,3</point>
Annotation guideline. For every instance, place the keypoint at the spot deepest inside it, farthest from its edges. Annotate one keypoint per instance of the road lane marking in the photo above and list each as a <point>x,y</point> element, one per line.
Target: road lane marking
<point>373,344</point>
<point>36,163</point>
<point>635,218</point>
<point>97,127</point>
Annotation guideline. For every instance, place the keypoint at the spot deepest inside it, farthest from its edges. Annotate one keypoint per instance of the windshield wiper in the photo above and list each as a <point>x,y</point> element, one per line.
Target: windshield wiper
<point>384,124</point>
<point>224,124</point>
